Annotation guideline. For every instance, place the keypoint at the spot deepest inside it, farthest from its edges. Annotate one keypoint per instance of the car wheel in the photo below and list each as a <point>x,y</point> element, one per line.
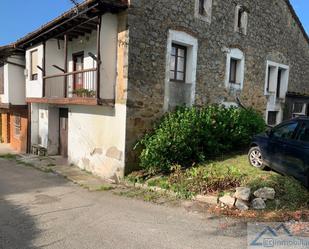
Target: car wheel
<point>255,158</point>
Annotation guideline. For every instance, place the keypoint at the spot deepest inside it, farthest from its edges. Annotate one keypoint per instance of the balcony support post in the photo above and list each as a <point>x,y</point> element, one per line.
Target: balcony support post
<point>65,64</point>
<point>98,55</point>
<point>44,69</point>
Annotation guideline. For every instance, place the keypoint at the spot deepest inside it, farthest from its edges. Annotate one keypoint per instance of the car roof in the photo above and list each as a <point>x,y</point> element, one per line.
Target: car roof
<point>306,118</point>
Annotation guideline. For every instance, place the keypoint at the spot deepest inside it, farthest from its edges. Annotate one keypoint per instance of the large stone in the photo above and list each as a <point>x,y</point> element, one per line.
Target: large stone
<point>243,193</point>
<point>258,204</point>
<point>228,200</point>
<point>241,205</point>
<point>265,193</point>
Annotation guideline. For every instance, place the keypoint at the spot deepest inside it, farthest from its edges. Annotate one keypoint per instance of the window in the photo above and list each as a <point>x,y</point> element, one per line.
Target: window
<point>178,63</point>
<point>304,133</point>
<point>203,9</point>
<point>277,80</point>
<point>235,68</point>
<point>241,19</point>
<point>272,118</point>
<point>233,71</point>
<point>299,107</point>
<point>17,125</point>
<point>180,70</point>
<point>34,65</point>
<point>285,131</point>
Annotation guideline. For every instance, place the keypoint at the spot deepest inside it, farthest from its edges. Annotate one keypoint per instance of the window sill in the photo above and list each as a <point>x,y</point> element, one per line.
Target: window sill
<point>180,82</point>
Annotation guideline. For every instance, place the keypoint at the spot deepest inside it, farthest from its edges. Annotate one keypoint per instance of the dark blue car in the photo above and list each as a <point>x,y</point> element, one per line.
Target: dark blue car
<point>285,149</point>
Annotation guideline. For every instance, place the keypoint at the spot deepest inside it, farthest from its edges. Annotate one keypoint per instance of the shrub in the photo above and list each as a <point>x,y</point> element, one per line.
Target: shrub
<point>192,135</point>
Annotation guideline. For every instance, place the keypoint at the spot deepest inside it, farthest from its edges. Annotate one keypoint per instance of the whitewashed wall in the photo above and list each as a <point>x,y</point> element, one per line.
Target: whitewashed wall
<point>97,139</point>
<point>14,82</point>
<point>17,88</point>
<point>5,96</point>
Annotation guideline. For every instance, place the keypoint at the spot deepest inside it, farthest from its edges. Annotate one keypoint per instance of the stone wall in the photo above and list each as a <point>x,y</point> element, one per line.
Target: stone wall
<point>272,34</point>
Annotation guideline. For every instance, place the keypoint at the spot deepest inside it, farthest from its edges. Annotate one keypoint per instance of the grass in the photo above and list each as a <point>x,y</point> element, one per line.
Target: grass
<point>146,195</point>
<point>224,175</point>
<point>8,156</point>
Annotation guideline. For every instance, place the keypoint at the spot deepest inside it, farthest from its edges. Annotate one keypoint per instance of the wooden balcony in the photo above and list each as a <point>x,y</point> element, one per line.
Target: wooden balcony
<point>76,88</point>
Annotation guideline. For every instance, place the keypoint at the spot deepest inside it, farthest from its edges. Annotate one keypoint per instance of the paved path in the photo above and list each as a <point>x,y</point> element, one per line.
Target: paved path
<point>42,210</point>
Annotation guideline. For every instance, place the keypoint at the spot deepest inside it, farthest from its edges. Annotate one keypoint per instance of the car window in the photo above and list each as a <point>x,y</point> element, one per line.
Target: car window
<point>303,134</point>
<point>285,131</point>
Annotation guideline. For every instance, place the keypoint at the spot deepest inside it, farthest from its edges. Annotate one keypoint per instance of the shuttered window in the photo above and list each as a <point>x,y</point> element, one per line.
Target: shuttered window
<point>34,65</point>
<point>2,80</point>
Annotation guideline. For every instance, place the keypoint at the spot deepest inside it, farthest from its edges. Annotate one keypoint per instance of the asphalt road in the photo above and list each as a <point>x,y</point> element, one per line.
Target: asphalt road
<point>40,210</point>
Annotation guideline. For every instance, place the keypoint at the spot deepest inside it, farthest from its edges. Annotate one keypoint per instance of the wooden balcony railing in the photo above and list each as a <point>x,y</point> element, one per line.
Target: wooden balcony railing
<point>77,84</point>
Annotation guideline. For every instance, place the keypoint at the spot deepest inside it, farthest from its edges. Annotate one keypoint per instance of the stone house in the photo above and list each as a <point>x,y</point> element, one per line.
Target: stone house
<point>98,76</point>
<point>13,107</point>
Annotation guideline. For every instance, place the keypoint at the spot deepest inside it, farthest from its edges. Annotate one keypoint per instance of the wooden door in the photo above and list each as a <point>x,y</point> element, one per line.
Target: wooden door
<point>78,65</point>
<point>63,131</point>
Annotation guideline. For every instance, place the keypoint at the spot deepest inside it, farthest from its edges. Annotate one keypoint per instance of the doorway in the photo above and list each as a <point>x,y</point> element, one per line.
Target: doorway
<point>63,131</point>
<point>78,65</point>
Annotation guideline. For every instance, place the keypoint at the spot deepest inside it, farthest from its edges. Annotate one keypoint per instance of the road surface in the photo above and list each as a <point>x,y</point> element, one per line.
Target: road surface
<point>43,210</point>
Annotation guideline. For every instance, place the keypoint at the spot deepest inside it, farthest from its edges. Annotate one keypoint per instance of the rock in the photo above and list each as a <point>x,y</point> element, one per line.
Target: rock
<point>265,193</point>
<point>209,199</point>
<point>241,205</point>
<point>228,200</point>
<point>243,193</point>
<point>258,204</point>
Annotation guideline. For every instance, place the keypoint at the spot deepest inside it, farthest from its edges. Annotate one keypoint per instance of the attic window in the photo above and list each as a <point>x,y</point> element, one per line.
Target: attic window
<point>241,19</point>
<point>203,9</point>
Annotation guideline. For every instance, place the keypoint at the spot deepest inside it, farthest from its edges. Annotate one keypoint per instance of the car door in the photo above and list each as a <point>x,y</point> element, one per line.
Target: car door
<point>277,143</point>
<point>297,153</point>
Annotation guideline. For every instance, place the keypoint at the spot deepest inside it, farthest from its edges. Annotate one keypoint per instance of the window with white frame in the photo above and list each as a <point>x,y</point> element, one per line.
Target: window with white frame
<point>241,19</point>
<point>277,79</point>
<point>235,66</point>
<point>203,9</point>
<point>181,63</point>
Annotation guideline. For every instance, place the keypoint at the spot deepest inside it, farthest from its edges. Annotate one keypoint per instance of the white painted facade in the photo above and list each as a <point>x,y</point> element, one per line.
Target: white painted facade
<point>191,43</point>
<point>13,80</point>
<point>96,134</point>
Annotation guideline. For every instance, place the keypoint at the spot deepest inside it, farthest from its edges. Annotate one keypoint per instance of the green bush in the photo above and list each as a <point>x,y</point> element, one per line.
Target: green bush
<point>192,135</point>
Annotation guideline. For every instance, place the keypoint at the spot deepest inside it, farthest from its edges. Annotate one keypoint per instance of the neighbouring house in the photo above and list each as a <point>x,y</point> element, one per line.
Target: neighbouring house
<point>297,104</point>
<point>101,74</point>
<point>13,107</point>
